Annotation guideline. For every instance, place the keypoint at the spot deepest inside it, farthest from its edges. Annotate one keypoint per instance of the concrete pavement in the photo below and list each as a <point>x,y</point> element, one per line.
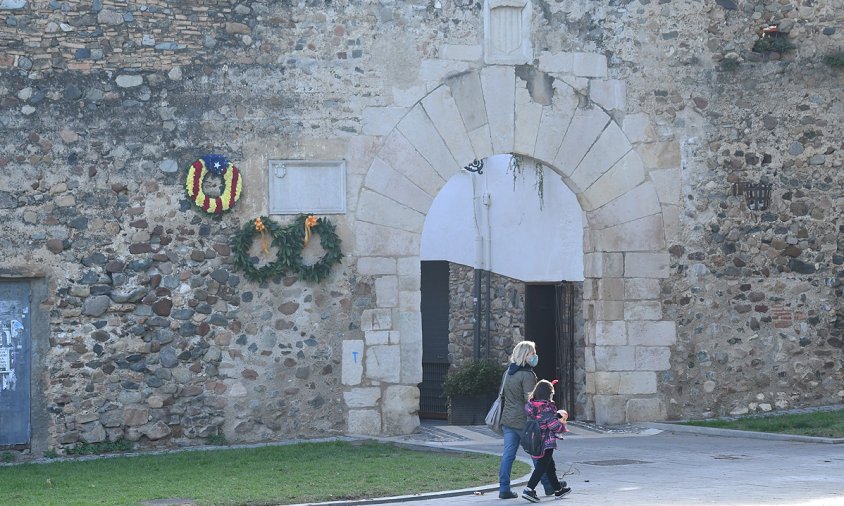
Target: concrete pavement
<point>648,465</point>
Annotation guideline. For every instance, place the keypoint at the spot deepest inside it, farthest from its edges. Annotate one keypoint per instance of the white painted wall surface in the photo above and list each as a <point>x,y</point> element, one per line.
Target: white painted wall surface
<point>511,236</point>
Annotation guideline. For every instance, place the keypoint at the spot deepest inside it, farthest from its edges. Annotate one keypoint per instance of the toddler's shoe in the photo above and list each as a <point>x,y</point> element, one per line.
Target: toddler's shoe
<point>530,495</point>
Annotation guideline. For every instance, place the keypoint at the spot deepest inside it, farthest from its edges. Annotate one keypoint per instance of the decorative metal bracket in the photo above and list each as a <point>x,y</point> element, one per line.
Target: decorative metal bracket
<point>475,166</point>
<point>757,196</point>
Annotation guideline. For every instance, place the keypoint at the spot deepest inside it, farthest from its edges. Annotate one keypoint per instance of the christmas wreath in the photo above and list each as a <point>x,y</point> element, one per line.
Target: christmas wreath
<point>330,244</point>
<point>289,241</point>
<point>271,234</point>
<point>231,188</point>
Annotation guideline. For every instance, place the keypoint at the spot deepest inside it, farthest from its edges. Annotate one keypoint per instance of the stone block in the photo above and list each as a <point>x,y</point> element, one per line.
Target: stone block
<point>641,288</point>
<point>671,219</point>
<point>387,291</point>
<point>556,62</point>
<point>647,333</point>
<point>410,300</point>
<point>609,409</point>
<point>468,95</point>
<point>589,65</point>
<point>376,208</point>
<point>646,265</point>
<point>528,115</point>
<point>435,70</point>
<point>660,155</point>
<point>554,122</point>
<point>406,160</point>
<point>644,234</point>
<point>442,110</point>
<point>376,319</point>
<point>615,358</point>
<point>610,333</point>
<point>383,179</point>
<point>606,383</point>
<point>620,180</point>
<point>461,52</point>
<point>636,203</point>
<point>135,415</point>
<point>352,372</point>
<point>645,410</point>
<point>373,337</point>
<point>383,363</point>
<point>367,397</point>
<point>381,120</point>
<point>586,125</point>
<point>653,358</point>
<point>498,83</point>
<point>410,324</point>
<point>643,310</point>
<point>376,240</point>
<point>611,288</point>
<point>608,93</point>
<point>481,142</point>
<point>373,266</point>
<point>400,410</point>
<point>636,382</point>
<point>609,309</point>
<point>668,185</point>
<point>420,131</point>
<point>638,128</point>
<point>610,147</point>
<point>364,422</point>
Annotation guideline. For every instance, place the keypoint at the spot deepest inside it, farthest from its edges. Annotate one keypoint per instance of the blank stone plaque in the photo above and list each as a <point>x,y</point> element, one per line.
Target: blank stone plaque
<point>307,186</point>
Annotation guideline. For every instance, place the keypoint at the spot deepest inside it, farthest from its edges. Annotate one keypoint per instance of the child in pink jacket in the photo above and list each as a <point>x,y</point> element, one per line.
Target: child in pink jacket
<point>551,422</point>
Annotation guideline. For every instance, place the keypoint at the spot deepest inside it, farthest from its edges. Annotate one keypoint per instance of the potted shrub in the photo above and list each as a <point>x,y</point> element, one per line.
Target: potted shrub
<point>471,390</point>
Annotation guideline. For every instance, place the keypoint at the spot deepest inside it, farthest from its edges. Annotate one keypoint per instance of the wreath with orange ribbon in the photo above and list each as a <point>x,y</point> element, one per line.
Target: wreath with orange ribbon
<point>230,190</point>
<point>289,242</point>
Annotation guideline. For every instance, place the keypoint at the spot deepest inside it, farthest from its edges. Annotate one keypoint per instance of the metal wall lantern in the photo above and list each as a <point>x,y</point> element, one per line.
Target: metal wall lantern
<point>756,195</point>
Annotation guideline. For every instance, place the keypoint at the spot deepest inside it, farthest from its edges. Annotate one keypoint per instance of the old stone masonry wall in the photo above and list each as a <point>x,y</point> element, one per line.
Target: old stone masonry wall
<point>154,337</point>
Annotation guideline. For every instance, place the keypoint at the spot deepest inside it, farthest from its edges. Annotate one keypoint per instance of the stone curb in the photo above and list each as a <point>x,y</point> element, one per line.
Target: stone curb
<point>712,431</point>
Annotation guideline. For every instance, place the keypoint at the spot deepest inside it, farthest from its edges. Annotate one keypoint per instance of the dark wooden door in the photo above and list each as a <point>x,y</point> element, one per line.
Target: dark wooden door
<point>435,363</point>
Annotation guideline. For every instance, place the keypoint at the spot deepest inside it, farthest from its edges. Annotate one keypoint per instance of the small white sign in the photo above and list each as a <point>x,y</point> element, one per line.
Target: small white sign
<point>307,186</point>
<point>5,360</point>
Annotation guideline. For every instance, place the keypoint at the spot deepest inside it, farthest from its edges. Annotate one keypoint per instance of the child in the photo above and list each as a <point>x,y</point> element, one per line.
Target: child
<point>551,422</point>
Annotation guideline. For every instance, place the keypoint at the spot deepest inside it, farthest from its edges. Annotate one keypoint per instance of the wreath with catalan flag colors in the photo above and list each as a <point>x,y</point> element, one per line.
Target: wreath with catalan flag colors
<point>216,165</point>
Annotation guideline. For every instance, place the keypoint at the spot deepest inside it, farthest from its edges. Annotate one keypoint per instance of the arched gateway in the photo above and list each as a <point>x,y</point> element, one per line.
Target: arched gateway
<point>553,115</point>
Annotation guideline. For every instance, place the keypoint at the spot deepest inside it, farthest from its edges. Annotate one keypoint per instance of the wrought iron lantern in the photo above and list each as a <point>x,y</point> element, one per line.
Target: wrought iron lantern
<point>756,195</point>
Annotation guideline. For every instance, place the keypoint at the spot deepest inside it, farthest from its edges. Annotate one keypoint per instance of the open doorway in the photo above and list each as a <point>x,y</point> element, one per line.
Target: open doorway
<point>435,321</point>
<point>549,322</point>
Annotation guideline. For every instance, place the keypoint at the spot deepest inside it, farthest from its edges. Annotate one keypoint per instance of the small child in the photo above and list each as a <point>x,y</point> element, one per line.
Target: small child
<point>551,422</point>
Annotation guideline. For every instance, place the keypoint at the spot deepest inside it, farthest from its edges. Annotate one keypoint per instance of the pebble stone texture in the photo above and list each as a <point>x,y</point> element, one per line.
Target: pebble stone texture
<point>693,305</point>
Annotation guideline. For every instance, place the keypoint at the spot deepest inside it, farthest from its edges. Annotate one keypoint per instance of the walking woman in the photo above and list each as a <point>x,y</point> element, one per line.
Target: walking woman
<point>518,385</point>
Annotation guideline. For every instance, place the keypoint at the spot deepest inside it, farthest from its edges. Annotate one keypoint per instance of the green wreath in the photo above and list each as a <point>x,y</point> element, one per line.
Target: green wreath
<point>329,240</point>
<point>241,242</point>
<point>289,242</point>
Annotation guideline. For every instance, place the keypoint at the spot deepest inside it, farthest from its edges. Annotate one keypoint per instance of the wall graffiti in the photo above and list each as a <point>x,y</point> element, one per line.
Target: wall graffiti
<point>10,346</point>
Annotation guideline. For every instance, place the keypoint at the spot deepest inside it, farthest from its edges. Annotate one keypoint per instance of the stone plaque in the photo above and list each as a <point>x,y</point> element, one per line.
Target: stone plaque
<point>507,31</point>
<point>307,186</point>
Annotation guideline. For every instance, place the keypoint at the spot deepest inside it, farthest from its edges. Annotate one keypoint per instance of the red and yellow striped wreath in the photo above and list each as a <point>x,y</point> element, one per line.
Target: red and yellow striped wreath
<point>232,185</point>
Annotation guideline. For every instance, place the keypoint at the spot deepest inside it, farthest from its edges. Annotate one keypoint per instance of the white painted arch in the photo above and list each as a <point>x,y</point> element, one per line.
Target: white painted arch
<point>475,115</point>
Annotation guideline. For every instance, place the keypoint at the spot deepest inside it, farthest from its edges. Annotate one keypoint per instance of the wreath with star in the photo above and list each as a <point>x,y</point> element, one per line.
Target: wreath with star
<point>230,190</point>
<point>289,242</point>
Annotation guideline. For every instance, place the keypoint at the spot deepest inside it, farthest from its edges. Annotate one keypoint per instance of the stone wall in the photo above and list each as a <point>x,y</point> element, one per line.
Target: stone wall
<point>153,336</point>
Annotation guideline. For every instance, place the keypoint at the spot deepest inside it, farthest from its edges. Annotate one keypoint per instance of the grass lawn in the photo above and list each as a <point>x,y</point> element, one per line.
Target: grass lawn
<point>819,423</point>
<point>267,475</point>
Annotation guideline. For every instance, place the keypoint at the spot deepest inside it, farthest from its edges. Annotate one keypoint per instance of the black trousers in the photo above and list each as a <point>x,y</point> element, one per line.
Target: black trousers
<point>545,465</point>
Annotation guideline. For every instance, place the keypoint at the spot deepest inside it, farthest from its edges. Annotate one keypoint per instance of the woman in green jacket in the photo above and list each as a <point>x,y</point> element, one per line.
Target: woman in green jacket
<point>518,384</point>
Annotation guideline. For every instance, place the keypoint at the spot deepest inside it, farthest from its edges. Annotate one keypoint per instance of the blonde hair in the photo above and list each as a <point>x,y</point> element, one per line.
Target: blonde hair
<point>521,352</point>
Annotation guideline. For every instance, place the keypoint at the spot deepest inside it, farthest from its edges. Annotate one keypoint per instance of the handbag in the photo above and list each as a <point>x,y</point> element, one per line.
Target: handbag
<point>493,416</point>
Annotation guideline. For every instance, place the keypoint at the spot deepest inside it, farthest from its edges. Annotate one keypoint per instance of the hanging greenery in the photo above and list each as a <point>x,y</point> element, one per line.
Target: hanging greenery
<point>517,168</point>
<point>289,242</point>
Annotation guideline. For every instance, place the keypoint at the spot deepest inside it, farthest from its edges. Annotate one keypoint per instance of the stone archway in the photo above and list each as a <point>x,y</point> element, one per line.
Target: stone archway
<point>538,114</point>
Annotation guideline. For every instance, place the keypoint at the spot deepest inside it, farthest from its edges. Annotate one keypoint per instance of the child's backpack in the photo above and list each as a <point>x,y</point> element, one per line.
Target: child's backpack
<point>532,440</point>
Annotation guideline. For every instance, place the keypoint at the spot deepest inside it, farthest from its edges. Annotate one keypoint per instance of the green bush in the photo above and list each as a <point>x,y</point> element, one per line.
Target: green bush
<point>473,378</point>
<point>121,445</point>
<point>779,44</point>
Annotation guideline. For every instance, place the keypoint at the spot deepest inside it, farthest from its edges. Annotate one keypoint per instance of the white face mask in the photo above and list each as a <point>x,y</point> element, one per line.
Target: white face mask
<point>532,361</point>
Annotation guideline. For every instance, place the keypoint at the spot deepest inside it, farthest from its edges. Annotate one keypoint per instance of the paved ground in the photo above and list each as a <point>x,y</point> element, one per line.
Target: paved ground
<point>648,466</point>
